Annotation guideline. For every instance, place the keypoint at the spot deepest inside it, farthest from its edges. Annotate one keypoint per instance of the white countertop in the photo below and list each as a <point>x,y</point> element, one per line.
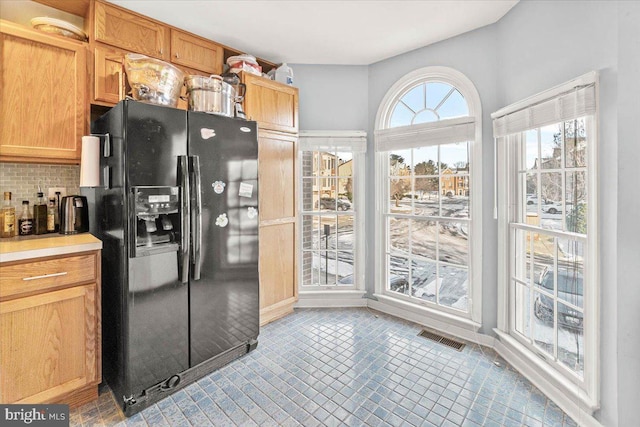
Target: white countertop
<point>24,248</point>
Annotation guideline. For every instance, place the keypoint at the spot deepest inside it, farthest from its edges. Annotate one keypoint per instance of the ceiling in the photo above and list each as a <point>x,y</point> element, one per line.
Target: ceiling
<point>356,32</point>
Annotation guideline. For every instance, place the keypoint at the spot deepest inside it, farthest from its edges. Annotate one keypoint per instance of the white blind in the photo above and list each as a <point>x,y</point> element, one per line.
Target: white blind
<point>441,132</point>
<point>333,141</point>
<point>577,102</point>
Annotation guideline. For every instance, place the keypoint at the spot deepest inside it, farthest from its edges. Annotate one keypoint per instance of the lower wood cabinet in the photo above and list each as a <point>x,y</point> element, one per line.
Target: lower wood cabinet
<point>50,330</point>
<point>277,154</point>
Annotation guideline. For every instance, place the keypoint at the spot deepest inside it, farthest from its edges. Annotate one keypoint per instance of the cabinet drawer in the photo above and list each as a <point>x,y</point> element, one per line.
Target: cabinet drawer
<point>42,275</point>
<point>120,28</point>
<point>194,52</point>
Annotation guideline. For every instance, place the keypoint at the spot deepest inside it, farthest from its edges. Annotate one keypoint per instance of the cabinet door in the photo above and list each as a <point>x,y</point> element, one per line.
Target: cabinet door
<point>194,52</point>
<point>43,96</point>
<point>277,206</point>
<point>53,348</point>
<point>273,105</point>
<point>109,78</point>
<point>118,27</point>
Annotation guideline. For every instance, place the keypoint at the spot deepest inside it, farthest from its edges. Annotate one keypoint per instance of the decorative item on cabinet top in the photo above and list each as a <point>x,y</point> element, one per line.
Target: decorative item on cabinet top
<point>58,26</point>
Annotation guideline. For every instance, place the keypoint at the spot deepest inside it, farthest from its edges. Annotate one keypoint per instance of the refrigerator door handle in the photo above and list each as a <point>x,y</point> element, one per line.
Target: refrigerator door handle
<point>185,219</point>
<point>196,222</point>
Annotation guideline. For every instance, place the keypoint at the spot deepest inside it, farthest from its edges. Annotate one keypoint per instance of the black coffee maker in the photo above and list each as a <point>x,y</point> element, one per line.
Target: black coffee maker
<point>241,89</point>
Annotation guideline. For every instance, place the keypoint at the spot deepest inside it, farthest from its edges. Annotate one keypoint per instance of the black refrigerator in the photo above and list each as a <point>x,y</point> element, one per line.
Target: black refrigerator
<point>177,212</point>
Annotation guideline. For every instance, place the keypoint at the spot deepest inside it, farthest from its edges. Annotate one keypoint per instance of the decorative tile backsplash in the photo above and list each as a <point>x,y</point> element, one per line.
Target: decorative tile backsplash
<point>23,179</point>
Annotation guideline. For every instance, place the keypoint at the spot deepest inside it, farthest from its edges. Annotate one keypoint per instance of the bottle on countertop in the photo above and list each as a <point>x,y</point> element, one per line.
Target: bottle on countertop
<point>51,216</point>
<point>25,222</point>
<point>7,217</point>
<point>284,74</point>
<point>57,211</point>
<point>40,215</point>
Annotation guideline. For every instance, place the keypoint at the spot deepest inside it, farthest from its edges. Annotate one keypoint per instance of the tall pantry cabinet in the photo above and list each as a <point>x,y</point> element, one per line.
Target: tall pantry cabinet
<point>275,107</point>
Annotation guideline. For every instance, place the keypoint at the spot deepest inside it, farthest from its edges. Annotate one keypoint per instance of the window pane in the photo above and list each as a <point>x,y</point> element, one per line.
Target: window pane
<point>543,257</point>
<point>401,116</point>
<point>424,238</point>
<point>531,149</point>
<point>345,194</point>
<point>453,243</point>
<point>345,232</point>
<point>455,157</point>
<point>328,194</point>
<point>522,309</point>
<point>575,143</point>
<point>522,264</point>
<point>344,162</point>
<point>307,163</point>
<point>570,272</point>
<point>454,106</point>
<point>570,339</point>
<point>436,93</point>
<point>310,232</point>
<point>310,195</point>
<point>457,204</point>
<point>400,192</point>
<point>307,266</point>
<point>315,267</point>
<point>399,274</point>
<point>550,147</point>
<point>399,235</point>
<point>327,267</point>
<point>327,231</point>
<point>414,99</point>
<point>425,116</point>
<point>576,202</point>
<point>399,163</point>
<point>454,287</point>
<point>544,310</point>
<point>427,201</point>
<point>425,160</point>
<point>345,268</point>
<point>552,208</point>
<point>423,276</point>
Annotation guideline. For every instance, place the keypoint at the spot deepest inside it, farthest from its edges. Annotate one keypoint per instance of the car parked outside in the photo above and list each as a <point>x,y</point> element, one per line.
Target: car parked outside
<point>570,289</point>
<point>330,204</point>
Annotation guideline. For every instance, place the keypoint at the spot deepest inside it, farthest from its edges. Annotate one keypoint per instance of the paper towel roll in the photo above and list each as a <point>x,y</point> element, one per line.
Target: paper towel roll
<point>90,162</point>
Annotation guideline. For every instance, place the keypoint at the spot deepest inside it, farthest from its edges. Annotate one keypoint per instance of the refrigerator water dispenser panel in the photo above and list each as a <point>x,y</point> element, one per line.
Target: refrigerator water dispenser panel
<point>156,226</point>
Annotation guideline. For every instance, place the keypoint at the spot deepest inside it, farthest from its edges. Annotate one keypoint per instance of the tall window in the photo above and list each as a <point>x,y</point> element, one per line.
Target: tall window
<point>427,151</point>
<point>331,201</point>
<point>548,153</point>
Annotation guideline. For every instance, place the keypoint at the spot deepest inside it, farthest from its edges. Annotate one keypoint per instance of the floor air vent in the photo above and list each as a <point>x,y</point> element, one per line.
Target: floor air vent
<point>441,339</point>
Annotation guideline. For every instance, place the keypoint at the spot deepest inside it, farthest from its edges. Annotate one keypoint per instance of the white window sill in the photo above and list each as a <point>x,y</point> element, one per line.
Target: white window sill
<point>569,396</point>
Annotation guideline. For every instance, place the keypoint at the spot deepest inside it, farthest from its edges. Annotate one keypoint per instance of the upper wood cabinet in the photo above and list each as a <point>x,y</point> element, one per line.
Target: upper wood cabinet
<point>118,27</point>
<point>195,52</point>
<point>272,104</point>
<point>109,78</point>
<point>43,96</point>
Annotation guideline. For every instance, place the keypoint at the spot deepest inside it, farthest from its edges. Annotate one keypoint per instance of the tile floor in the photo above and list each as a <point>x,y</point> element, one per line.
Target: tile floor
<point>353,367</point>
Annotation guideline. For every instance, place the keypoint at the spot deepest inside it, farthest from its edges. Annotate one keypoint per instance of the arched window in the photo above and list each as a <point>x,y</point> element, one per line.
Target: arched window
<point>428,136</point>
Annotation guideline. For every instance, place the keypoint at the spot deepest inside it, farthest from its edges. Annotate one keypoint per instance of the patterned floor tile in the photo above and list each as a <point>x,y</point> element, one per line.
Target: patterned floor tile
<point>354,367</point>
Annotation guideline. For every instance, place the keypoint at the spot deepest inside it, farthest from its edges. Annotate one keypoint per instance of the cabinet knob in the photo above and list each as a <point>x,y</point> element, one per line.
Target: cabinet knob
<point>160,51</point>
<point>177,55</point>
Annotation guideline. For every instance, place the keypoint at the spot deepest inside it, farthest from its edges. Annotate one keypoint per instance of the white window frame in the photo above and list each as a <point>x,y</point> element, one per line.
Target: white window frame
<point>574,394</point>
<point>354,142</point>
<point>452,320</point>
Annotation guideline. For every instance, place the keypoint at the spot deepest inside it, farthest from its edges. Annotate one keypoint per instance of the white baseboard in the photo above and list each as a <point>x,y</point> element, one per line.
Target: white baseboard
<point>461,328</point>
<point>328,299</point>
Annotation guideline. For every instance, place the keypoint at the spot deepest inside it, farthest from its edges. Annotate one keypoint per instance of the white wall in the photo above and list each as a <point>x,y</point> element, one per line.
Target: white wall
<point>536,46</point>
<point>332,97</point>
<point>627,306</point>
